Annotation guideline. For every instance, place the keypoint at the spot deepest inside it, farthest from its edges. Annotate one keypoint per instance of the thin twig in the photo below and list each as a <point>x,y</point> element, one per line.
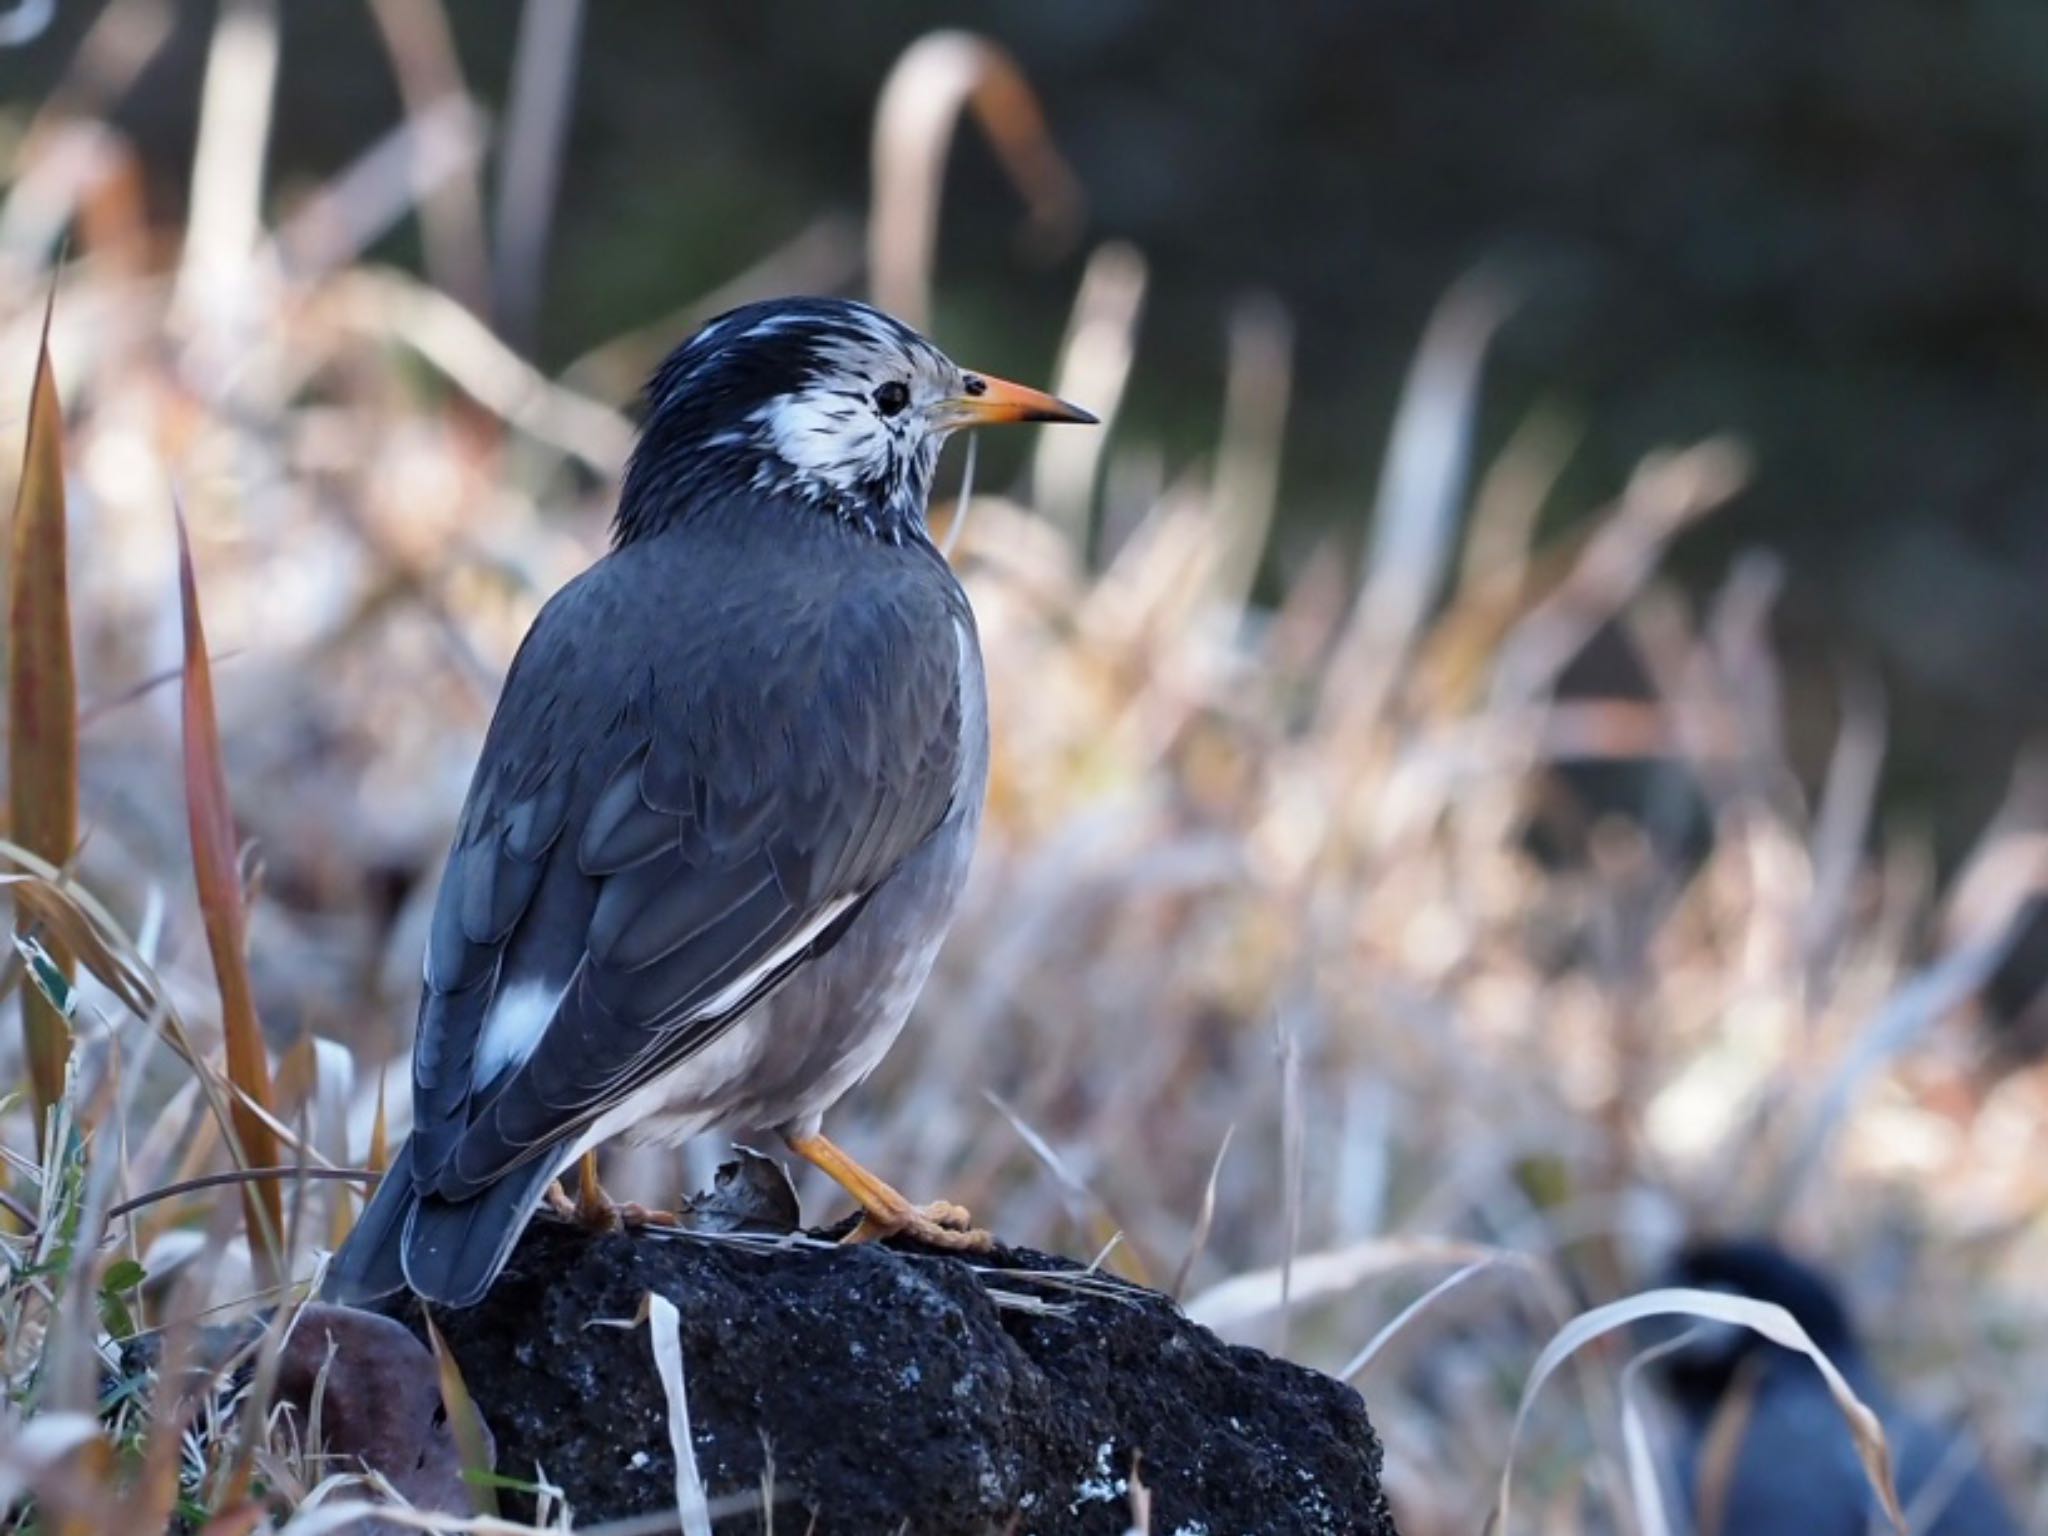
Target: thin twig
<point>240,1176</point>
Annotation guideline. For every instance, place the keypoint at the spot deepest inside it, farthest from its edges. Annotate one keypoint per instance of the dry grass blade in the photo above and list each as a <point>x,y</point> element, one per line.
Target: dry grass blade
<point>1766,1318</point>
<point>154,1493</point>
<point>380,1133</point>
<point>1667,494</point>
<point>451,209</point>
<point>663,1327</point>
<point>28,1450</point>
<point>1245,1297</point>
<point>530,157</point>
<point>217,866</point>
<point>936,78</point>
<point>1246,492</point>
<point>466,1424</point>
<point>66,918</point>
<point>1925,999</point>
<point>1094,365</point>
<point>391,307</point>
<point>227,166</point>
<point>1422,483</point>
<point>42,700</point>
<point>1645,1486</point>
<point>1205,1218</point>
<point>1409,1313</point>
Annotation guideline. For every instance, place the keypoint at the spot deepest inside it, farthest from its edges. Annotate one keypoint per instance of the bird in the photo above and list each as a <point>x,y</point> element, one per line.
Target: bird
<point>725,806</point>
<point>1762,1448</point>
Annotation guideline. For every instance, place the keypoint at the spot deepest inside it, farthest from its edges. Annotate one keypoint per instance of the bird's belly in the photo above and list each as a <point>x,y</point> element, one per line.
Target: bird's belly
<point>824,1029</point>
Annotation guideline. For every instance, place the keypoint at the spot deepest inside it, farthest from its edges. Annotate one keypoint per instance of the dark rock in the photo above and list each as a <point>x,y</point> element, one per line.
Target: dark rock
<point>894,1389</point>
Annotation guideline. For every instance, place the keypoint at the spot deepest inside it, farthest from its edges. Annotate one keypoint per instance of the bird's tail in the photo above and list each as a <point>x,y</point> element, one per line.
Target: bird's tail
<point>368,1263</point>
<point>447,1251</point>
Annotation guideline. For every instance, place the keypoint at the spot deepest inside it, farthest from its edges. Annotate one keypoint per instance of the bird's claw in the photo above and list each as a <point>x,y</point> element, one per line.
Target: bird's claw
<point>598,1212</point>
<point>634,1214</point>
<point>944,1213</point>
<point>938,1225</point>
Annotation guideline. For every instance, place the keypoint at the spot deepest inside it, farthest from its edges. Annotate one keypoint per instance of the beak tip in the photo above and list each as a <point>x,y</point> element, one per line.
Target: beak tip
<point>988,401</point>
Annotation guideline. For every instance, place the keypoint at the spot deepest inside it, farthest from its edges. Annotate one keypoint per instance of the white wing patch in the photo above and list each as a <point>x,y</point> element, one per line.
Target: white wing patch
<point>519,1016</point>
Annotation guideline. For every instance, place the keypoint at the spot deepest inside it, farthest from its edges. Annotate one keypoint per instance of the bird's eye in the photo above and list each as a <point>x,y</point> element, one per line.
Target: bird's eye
<point>892,397</point>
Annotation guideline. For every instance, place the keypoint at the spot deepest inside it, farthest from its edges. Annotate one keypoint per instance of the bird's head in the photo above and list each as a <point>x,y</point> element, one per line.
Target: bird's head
<point>822,401</point>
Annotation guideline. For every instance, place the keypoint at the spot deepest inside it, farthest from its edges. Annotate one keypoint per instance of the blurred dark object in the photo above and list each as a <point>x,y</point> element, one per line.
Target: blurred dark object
<point>2015,1003</point>
<point>895,1391</point>
<point>1763,1448</point>
<point>368,1386</point>
<point>379,1405</point>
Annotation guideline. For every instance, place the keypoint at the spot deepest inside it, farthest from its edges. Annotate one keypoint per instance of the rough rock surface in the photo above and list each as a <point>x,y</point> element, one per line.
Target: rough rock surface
<point>892,1389</point>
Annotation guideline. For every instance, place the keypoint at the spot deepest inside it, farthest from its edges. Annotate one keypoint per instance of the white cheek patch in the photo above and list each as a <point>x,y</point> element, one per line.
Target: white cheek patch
<point>829,438</point>
<point>824,436</point>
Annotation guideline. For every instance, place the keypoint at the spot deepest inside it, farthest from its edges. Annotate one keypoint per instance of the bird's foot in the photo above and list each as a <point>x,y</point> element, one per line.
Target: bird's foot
<point>634,1214</point>
<point>941,1224</point>
<point>594,1209</point>
<point>885,1213</point>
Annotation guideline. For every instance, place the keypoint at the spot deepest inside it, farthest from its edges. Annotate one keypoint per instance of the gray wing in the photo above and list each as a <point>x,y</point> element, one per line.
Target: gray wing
<point>666,829</point>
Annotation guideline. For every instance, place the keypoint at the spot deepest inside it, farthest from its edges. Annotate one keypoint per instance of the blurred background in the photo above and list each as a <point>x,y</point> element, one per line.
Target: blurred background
<point>1815,233</point>
<point>1513,744</point>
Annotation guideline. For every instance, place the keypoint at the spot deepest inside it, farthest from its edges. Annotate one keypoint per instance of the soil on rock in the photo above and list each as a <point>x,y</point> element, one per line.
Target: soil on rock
<point>888,1390</point>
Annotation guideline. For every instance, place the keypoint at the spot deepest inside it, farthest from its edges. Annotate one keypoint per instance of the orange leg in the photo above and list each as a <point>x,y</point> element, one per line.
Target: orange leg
<point>884,1212</point>
<point>595,1209</point>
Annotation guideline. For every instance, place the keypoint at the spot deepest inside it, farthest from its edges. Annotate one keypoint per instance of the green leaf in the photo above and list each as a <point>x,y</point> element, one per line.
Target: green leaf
<point>123,1275</point>
<point>115,1317</point>
<point>47,974</point>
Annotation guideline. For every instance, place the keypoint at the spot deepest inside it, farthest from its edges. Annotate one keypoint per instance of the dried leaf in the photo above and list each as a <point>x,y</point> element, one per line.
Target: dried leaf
<point>467,1425</point>
<point>216,863</point>
<point>42,700</point>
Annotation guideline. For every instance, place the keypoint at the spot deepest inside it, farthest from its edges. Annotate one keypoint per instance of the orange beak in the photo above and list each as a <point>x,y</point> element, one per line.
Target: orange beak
<point>986,401</point>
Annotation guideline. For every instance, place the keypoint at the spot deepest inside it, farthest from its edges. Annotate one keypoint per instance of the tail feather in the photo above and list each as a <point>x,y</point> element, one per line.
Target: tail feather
<point>448,1252</point>
<point>454,1250</point>
<point>369,1264</point>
